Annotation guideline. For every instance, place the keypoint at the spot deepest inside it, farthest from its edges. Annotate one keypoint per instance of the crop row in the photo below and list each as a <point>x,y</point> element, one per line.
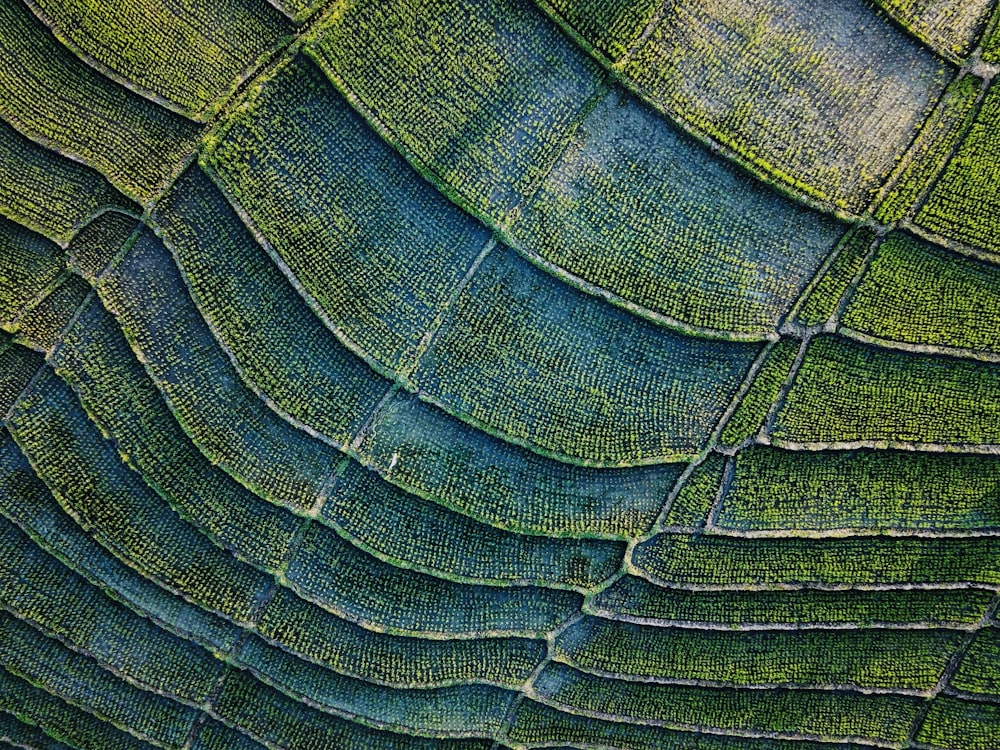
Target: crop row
<point>79,680</point>
<point>693,503</point>
<point>187,53</point>
<point>955,724</point>
<point>280,346</point>
<point>42,326</point>
<point>768,79</point>
<point>365,506</point>
<point>378,250</point>
<point>148,297</point>
<point>979,670</point>
<point>19,734</point>
<point>290,352</point>
<point>633,597</point>
<point>122,641</point>
<point>607,29</point>
<point>482,92</point>
<point>27,502</point>
<point>965,201</point>
<point>879,658</point>
<point>97,243</point>
<point>319,636</point>
<point>917,293</point>
<point>62,720</point>
<point>640,208</point>
<point>214,735</point>
<point>749,415</point>
<point>119,509</point>
<point>931,148</point>
<point>120,397</point>
<point>62,603</point>
<point>47,192</point>
<point>862,489</point>
<point>326,567</point>
<point>855,393</point>
<point>273,717</point>
<point>333,572</point>
<point>17,366</point>
<point>536,723</point>
<point>287,620</point>
<point>39,589</point>
<point>950,28</point>
<point>423,450</point>
<point>55,97</point>
<point>822,301</point>
<point>475,710</point>
<point>431,454</point>
<point>830,714</point>
<point>30,264</point>
<point>518,354</point>
<point>852,561</point>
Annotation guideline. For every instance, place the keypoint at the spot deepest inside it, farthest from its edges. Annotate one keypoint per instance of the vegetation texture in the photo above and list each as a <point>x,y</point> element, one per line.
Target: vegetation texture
<point>499,375</point>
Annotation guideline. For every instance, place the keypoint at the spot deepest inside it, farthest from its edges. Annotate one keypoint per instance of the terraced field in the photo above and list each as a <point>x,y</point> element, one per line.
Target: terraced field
<point>500,375</point>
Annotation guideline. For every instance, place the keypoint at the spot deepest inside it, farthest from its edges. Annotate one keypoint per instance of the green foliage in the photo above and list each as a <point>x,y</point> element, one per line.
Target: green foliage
<point>753,407</point>
<point>641,209</point>
<point>477,710</point>
<point>882,658</point>
<point>29,264</point>
<point>979,670</point>
<point>950,27</point>
<point>364,506</point>
<point>850,561</point>
<point>931,148</point>
<point>991,43</point>
<point>38,588</point>
<point>187,52</point>
<point>17,367</point>
<point>53,97</point>
<point>28,503</point>
<point>214,735</point>
<point>19,734</point>
<point>538,723</point>
<point>123,514</point>
<point>61,720</point>
<point>272,717</point>
<point>120,397</point>
<point>823,298</point>
<point>391,659</point>
<point>362,588</point>
<point>432,455</point>
<point>846,392</point>
<point>610,28</point>
<point>960,725</point>
<point>96,244</point>
<point>965,201</point>
<point>695,499</point>
<point>767,79</point>
<point>830,714</point>
<point>79,680</point>
<point>916,293</point>
<point>481,92</point>
<point>280,346</point>
<point>863,489</point>
<point>42,325</point>
<point>558,369</point>
<point>46,192</point>
<point>365,236</point>
<point>222,416</point>
<point>637,598</point>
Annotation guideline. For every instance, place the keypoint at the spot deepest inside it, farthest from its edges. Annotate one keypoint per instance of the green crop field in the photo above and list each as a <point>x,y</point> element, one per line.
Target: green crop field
<point>499,375</point>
